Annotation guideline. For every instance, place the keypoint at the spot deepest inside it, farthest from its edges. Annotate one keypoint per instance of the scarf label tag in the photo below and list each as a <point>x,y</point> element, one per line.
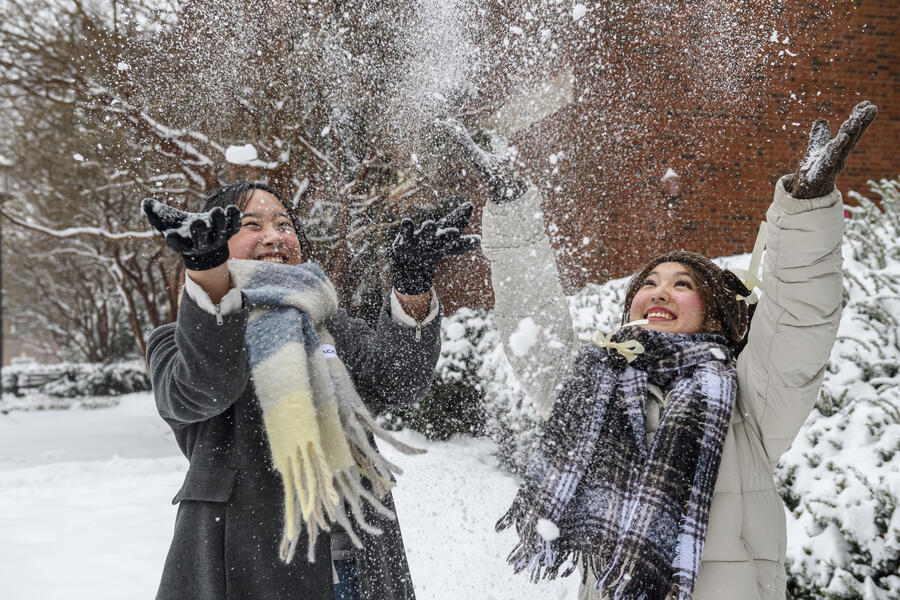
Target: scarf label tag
<point>328,350</point>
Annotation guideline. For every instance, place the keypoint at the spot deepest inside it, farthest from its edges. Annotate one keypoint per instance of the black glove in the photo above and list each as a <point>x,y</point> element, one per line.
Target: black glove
<point>826,156</point>
<point>200,238</point>
<point>415,254</point>
<point>503,185</point>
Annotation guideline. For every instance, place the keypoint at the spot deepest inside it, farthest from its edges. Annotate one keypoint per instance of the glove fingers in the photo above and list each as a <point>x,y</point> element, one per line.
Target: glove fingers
<point>217,215</point>
<point>428,230</point>
<point>404,236</point>
<point>866,112</point>
<point>148,208</point>
<point>162,216</point>
<point>459,217</point>
<point>465,243</point>
<point>178,243</point>
<point>819,136</point>
<point>199,235</point>
<point>836,155</point>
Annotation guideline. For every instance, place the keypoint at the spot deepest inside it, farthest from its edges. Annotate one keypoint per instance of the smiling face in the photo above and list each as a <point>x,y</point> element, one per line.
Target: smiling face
<point>670,298</point>
<point>266,233</point>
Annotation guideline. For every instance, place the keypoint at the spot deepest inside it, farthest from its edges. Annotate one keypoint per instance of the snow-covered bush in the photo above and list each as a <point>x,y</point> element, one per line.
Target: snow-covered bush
<point>454,402</point>
<point>70,380</point>
<point>841,477</point>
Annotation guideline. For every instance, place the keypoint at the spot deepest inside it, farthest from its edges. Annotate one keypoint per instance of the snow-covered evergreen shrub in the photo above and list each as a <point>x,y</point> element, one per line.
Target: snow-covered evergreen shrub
<point>454,402</point>
<point>70,380</point>
<point>841,477</point>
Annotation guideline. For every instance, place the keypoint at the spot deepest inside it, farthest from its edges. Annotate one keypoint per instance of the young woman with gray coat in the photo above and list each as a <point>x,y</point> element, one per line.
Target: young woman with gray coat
<point>270,387</point>
<point>654,474</point>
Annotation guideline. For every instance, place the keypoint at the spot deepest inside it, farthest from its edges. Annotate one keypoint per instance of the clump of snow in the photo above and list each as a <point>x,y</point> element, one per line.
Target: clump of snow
<point>455,330</point>
<point>547,529</point>
<point>524,337</point>
<point>241,155</point>
<point>578,11</point>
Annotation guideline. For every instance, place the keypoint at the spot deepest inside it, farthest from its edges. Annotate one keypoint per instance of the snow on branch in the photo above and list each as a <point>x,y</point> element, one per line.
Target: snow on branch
<point>69,232</point>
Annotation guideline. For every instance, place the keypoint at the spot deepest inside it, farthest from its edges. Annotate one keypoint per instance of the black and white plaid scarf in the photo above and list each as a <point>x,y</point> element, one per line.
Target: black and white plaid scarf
<point>594,493</point>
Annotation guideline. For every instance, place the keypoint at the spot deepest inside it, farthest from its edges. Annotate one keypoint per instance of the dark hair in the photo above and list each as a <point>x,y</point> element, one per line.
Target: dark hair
<point>239,194</point>
<point>719,290</point>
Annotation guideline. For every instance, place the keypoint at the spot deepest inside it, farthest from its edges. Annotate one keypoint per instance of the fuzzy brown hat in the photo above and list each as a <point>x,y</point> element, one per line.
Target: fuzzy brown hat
<point>720,292</point>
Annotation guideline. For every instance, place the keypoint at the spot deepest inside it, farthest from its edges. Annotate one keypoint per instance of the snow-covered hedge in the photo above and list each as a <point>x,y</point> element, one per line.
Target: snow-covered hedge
<point>71,380</point>
<point>454,403</point>
<point>841,477</point>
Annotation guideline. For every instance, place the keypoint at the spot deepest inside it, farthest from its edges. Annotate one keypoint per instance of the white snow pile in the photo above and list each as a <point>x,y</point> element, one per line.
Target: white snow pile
<point>86,495</point>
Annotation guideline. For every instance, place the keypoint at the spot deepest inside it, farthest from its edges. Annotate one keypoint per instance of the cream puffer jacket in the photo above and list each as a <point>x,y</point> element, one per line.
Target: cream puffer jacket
<point>779,372</point>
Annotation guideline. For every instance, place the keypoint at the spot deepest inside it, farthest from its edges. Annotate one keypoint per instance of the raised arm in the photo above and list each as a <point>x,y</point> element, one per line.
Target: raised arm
<point>530,308</point>
<point>795,325</point>
<point>394,363</point>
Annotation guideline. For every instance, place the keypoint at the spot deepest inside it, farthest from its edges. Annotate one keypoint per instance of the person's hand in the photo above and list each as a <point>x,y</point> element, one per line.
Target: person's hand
<point>416,253</point>
<point>503,185</point>
<point>200,238</point>
<point>826,156</point>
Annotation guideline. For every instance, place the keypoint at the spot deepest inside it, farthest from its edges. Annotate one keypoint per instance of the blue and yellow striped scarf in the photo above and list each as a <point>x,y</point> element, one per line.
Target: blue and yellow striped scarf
<point>316,423</point>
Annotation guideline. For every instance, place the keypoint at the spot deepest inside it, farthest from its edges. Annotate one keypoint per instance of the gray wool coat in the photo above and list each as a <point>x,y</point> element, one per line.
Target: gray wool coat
<point>229,520</point>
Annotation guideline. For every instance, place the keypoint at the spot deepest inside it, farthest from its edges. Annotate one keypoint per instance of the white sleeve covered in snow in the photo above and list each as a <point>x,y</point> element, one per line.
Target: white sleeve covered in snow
<point>530,308</point>
<point>796,321</point>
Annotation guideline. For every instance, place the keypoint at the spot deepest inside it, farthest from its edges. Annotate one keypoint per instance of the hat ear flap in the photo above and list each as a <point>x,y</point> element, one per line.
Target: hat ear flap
<point>733,284</point>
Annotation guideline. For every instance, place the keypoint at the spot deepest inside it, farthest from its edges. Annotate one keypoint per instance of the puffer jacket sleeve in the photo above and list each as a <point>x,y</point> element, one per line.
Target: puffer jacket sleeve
<point>391,365</point>
<point>795,325</point>
<point>530,309</point>
<point>198,368</point>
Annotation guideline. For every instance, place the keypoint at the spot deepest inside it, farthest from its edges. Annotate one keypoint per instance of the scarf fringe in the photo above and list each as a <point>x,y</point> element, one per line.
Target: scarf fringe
<point>321,499</point>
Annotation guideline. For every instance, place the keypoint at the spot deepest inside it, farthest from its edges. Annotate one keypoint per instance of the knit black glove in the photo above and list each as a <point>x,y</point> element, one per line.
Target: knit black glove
<point>826,156</point>
<point>503,185</point>
<point>200,238</point>
<point>416,253</point>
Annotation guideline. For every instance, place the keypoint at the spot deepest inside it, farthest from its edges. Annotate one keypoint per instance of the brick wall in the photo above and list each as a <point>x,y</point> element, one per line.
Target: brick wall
<point>729,127</point>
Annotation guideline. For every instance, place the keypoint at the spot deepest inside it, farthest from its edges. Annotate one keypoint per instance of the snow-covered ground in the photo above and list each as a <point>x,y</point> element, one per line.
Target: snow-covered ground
<point>86,513</point>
